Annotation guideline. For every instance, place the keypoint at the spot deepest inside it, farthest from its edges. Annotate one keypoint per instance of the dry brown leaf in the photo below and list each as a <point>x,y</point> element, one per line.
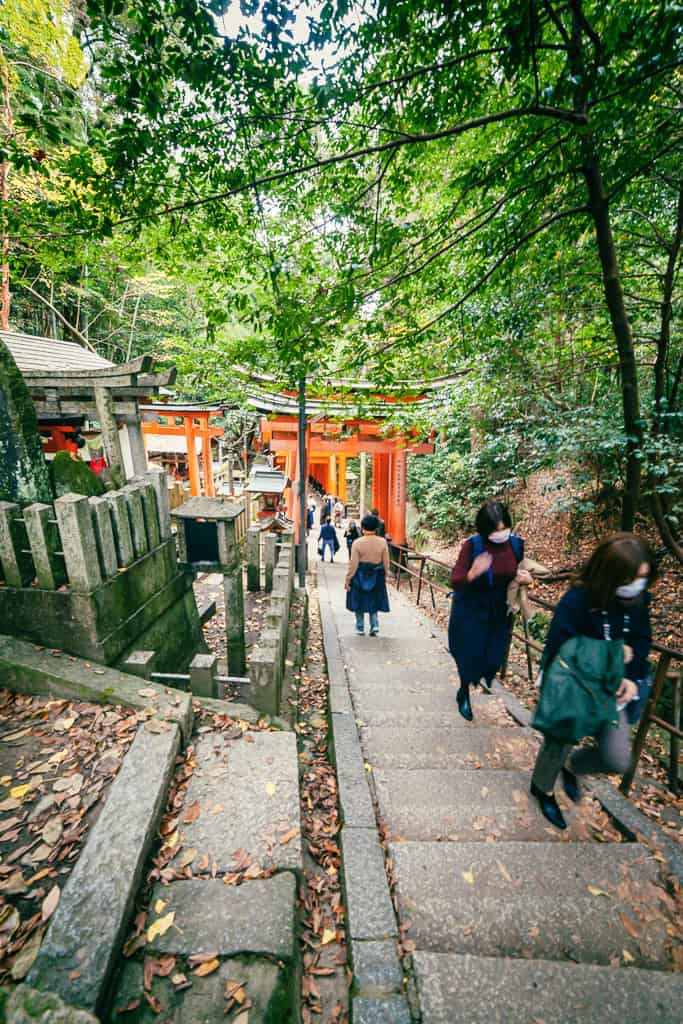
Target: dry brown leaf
<point>191,813</point>
<point>208,967</point>
<point>50,903</point>
<point>629,925</point>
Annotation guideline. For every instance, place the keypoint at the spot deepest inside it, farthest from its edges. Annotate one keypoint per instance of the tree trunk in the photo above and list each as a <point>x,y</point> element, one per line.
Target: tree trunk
<point>599,207</point>
<point>665,532</point>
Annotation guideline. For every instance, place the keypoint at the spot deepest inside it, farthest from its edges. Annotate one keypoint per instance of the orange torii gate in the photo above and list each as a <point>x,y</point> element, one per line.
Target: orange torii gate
<point>328,445</point>
<point>193,425</point>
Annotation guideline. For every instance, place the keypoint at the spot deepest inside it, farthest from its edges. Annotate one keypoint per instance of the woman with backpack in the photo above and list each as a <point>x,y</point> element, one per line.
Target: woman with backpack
<point>479,626</point>
<point>366,585</point>
<point>594,671</point>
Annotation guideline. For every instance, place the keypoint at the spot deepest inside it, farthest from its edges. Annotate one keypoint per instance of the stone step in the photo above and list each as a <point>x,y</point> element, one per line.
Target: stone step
<point>413,702</point>
<point>248,793</point>
<point>446,715</point>
<point>533,900</point>
<point>438,804</point>
<point>447,746</point>
<point>461,989</point>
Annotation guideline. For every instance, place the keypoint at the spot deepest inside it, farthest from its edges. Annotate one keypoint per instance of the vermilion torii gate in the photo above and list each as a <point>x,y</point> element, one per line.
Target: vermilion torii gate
<point>330,443</point>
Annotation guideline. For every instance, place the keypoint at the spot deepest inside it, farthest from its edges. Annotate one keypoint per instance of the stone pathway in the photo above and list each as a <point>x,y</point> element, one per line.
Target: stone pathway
<point>501,917</point>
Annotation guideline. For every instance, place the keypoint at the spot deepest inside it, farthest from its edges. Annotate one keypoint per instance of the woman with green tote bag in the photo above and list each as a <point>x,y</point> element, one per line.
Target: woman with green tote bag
<point>594,671</point>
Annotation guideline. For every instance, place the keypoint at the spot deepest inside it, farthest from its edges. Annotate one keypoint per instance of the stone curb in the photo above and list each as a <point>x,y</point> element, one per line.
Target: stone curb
<point>38,672</point>
<point>83,942</point>
<point>628,818</point>
<point>370,919</point>
<point>245,712</point>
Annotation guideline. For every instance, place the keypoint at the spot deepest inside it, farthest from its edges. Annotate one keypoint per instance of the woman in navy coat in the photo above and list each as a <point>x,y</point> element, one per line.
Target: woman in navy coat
<point>479,626</point>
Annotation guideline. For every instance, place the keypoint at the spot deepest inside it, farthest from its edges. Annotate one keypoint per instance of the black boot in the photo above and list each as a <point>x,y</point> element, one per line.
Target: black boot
<point>571,786</point>
<point>464,706</point>
<point>550,809</point>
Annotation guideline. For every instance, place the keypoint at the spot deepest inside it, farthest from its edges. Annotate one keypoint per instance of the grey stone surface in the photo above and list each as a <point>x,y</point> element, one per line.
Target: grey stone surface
<point>265,679</point>
<point>347,753</point>
<point>529,899</point>
<point>448,746</point>
<point>387,1010</point>
<point>355,801</point>
<point>203,668</point>
<point>233,594</point>
<point>246,712</point>
<point>256,917</point>
<point>376,968</point>
<point>339,701</point>
<point>149,509</point>
<point>44,541</point>
<point>86,931</point>
<point>370,914</point>
<point>269,558</point>
<point>104,535</point>
<point>27,670</point>
<point>413,702</point>
<point>269,987</point>
<point>158,479</point>
<point>121,526</point>
<point>256,786</point>
<point>133,496</point>
<point>26,1005</point>
<point>78,542</point>
<point>441,804</point>
<point>253,558</point>
<point>139,663</point>
<point>456,989</point>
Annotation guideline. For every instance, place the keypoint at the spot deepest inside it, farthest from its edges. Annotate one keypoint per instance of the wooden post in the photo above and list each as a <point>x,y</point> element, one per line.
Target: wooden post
<point>675,747</point>
<point>192,461</point>
<point>639,743</point>
<point>363,483</point>
<point>333,476</point>
<point>419,580</point>
<point>342,478</point>
<point>110,432</point>
<point>529,662</point>
<point>209,489</point>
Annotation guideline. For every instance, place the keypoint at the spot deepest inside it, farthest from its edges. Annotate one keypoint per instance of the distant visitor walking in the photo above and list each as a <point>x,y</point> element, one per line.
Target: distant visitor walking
<point>479,626</point>
<point>366,584</point>
<point>594,671</point>
<point>327,540</point>
<point>351,533</point>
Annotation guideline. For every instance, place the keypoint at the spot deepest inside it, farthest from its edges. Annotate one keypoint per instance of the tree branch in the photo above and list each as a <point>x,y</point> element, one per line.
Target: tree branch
<point>76,333</point>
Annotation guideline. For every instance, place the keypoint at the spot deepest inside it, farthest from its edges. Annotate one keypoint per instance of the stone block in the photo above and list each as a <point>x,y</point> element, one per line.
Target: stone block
<point>256,917</point>
<point>388,1010</point>
<point>376,967</point>
<point>339,701</point>
<point>27,1005</point>
<point>133,495</point>
<point>44,541</point>
<point>120,521</point>
<point>104,535</point>
<point>233,594</point>
<point>159,481</point>
<point>253,558</point>
<point>203,669</point>
<point>348,756</point>
<point>150,512</point>
<point>264,677</point>
<point>78,542</point>
<point>370,914</point>
<point>257,788</point>
<point>139,663</point>
<point>85,934</point>
<point>355,801</point>
<point>17,567</point>
<point>228,550</point>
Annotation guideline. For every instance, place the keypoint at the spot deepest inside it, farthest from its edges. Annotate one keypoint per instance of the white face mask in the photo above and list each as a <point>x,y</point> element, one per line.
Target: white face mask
<point>499,536</point>
<point>632,589</point>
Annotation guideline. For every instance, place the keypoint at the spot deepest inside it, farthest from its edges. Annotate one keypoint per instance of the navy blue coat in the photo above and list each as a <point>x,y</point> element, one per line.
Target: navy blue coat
<point>368,590</point>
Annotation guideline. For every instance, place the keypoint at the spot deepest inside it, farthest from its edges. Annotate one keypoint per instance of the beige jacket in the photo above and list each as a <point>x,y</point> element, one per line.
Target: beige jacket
<point>518,593</point>
<point>368,548</point>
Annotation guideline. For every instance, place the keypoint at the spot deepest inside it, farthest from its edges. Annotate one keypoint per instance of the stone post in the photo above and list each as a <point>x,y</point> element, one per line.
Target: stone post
<point>133,497</point>
<point>203,675</point>
<point>253,558</point>
<point>149,510</point>
<point>110,432</point>
<point>120,519</point>
<point>104,534</point>
<point>159,481</point>
<point>233,593</point>
<point>43,538</point>
<point>263,677</point>
<point>269,558</point>
<point>17,567</point>
<point>78,542</point>
<point>136,440</point>
<point>139,663</point>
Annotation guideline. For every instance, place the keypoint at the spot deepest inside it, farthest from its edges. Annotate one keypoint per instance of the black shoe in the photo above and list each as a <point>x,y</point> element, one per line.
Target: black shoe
<point>550,809</point>
<point>571,786</point>
<point>464,706</point>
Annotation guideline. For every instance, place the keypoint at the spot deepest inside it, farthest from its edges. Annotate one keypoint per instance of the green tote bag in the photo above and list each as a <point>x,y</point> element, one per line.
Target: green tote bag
<point>578,688</point>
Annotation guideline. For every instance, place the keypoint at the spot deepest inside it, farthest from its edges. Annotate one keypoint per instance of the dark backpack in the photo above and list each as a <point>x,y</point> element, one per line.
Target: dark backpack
<point>477,542</point>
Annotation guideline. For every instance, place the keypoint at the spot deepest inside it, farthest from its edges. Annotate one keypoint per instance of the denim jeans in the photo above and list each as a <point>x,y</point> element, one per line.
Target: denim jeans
<point>328,544</point>
<point>360,621</point>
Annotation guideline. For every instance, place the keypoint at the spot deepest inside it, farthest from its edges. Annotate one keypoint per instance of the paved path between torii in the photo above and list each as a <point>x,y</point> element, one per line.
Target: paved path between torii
<point>511,920</point>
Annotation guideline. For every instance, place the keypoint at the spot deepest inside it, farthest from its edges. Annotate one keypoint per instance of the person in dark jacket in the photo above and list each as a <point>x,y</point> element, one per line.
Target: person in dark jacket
<point>328,536</point>
<point>351,533</point>
<point>479,626</point>
<point>381,527</point>
<point>610,601</point>
<point>366,586</point>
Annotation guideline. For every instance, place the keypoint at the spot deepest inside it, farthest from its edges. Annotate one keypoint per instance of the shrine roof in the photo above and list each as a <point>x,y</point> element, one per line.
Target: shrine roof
<point>34,354</point>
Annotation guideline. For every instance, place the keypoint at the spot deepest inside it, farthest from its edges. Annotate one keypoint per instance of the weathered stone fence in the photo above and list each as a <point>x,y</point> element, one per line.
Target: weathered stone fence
<point>267,662</point>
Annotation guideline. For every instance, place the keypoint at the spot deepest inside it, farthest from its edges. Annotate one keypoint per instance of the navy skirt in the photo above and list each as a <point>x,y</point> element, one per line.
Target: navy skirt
<point>368,591</point>
<point>479,633</point>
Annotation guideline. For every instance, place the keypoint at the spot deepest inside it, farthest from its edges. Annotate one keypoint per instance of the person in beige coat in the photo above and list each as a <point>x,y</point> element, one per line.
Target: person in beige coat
<point>366,585</point>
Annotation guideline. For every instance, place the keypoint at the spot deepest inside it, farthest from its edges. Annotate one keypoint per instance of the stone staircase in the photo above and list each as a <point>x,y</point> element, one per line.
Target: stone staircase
<point>507,919</point>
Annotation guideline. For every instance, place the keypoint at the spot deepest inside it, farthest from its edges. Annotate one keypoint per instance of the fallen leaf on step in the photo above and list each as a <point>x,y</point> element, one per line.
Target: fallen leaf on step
<point>19,792</point>
<point>148,691</point>
<point>185,858</point>
<point>469,877</point>
<point>504,871</point>
<point>208,967</point>
<point>288,836</point>
<point>192,813</point>
<point>159,906</point>
<point>628,959</point>
<point>216,809</point>
<point>629,925</point>
<point>594,891</point>
<point>270,788</point>
<point>328,936</point>
<point>161,926</point>
<point>50,903</point>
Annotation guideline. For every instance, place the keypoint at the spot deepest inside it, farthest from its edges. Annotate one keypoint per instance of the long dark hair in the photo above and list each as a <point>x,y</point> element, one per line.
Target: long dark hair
<point>615,561</point>
<point>488,517</point>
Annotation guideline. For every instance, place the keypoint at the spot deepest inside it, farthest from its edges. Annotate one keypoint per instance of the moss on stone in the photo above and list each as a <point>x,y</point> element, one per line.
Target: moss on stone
<point>72,476</point>
<point>23,471</point>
